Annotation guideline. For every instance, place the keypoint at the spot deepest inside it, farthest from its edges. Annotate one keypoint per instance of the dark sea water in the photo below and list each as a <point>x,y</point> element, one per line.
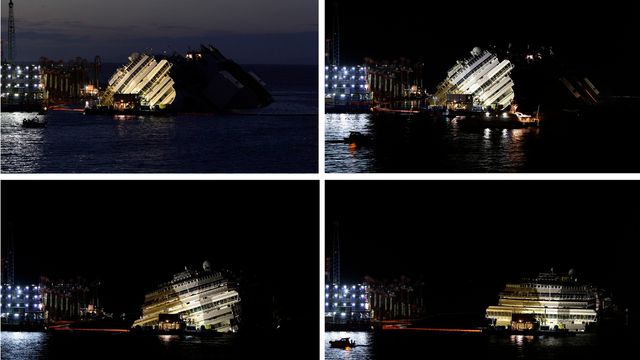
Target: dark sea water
<point>280,138</point>
<point>428,345</point>
<point>72,346</point>
<point>420,144</point>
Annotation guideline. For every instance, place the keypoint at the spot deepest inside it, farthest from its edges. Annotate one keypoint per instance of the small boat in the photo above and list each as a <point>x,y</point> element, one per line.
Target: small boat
<point>343,343</point>
<point>34,123</point>
<point>358,138</point>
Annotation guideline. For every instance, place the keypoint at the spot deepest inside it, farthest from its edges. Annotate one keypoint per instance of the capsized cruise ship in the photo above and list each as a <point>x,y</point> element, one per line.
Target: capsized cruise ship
<point>482,76</point>
<point>143,79</point>
<point>548,302</point>
<point>201,80</point>
<point>201,299</point>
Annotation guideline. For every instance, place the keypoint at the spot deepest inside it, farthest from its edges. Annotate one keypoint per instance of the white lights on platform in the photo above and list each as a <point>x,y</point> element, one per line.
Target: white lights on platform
<point>342,314</point>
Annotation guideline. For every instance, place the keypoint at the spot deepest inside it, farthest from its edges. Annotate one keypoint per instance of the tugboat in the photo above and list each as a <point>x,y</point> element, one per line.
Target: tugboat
<point>33,123</point>
<point>343,343</point>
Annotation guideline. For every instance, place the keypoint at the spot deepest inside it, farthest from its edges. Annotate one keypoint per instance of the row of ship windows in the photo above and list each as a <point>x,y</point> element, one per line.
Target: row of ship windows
<point>155,78</point>
<point>540,286</point>
<point>212,305</point>
<point>491,82</point>
<point>134,74</point>
<point>169,286</point>
<point>548,316</point>
<point>537,295</point>
<point>211,285</point>
<point>474,68</point>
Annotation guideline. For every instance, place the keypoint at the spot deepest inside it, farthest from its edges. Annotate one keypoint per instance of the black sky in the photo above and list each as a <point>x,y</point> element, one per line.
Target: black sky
<point>132,235</point>
<point>602,36</point>
<point>467,238</point>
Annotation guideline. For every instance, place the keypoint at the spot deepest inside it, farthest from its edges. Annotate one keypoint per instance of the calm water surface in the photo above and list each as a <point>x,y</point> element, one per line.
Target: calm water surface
<point>71,346</point>
<point>419,144</point>
<point>412,345</point>
<point>280,138</point>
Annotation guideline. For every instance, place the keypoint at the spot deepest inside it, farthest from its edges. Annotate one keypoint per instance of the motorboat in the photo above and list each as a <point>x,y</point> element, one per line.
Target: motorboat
<point>343,343</point>
<point>34,123</point>
<point>358,138</point>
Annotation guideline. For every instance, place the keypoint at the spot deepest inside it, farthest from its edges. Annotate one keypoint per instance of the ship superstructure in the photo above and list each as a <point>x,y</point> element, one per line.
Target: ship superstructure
<point>550,301</point>
<point>482,76</point>
<point>202,299</point>
<point>201,80</point>
<point>143,78</point>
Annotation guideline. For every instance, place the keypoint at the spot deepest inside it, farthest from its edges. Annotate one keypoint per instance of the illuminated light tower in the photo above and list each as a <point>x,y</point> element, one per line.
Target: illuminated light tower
<point>335,263</point>
<point>12,35</point>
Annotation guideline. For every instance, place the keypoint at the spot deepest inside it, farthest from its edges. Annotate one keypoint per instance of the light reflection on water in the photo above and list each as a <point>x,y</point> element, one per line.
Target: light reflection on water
<point>363,349</point>
<point>414,144</point>
<point>202,143</point>
<point>23,345</point>
<point>25,145</point>
<point>345,157</point>
<point>82,346</point>
<point>429,345</point>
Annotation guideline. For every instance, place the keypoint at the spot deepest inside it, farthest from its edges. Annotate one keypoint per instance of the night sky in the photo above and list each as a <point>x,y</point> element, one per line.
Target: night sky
<point>248,31</point>
<point>467,238</point>
<point>598,39</point>
<point>132,235</point>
